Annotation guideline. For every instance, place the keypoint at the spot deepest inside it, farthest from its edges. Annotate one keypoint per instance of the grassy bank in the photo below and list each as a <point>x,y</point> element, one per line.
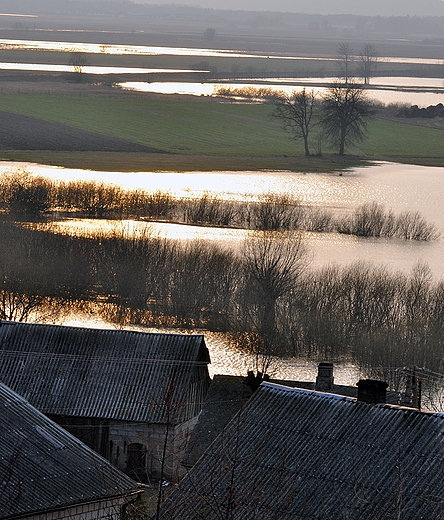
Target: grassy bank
<point>200,134</point>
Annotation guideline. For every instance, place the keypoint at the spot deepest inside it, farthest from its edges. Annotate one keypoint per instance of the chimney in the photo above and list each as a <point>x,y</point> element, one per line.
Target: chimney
<point>324,379</point>
<point>372,391</point>
<point>254,381</point>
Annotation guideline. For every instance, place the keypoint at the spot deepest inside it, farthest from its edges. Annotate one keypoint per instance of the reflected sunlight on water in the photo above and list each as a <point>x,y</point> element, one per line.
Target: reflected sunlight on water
<point>398,187</point>
<point>85,227</point>
<point>88,69</point>
<point>381,94</point>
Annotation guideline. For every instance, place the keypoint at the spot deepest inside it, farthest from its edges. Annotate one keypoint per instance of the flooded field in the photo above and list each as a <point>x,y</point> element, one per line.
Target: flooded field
<point>397,187</point>
<point>400,90</point>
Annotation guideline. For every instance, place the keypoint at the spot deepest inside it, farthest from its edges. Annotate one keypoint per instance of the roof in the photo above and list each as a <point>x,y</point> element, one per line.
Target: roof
<point>226,396</point>
<point>107,374</point>
<point>298,454</point>
<point>43,467</point>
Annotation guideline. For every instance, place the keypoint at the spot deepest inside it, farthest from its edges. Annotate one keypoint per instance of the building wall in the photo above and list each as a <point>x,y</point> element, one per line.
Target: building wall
<point>137,449</point>
<point>134,448</point>
<point>107,510</point>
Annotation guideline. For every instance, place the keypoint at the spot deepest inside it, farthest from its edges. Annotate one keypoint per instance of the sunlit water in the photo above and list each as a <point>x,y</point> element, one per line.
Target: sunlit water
<point>384,91</point>
<point>396,186</point>
<point>89,69</point>
<point>399,187</point>
<point>141,50</point>
<point>146,50</point>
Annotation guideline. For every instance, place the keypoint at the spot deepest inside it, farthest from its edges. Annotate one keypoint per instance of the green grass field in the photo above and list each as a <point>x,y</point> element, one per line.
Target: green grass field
<point>205,134</point>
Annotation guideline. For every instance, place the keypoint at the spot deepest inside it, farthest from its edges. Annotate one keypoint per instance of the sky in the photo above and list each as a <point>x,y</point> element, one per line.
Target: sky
<point>362,7</point>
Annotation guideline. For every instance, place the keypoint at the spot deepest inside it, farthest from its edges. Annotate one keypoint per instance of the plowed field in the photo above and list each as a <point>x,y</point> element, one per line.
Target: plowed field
<point>19,132</point>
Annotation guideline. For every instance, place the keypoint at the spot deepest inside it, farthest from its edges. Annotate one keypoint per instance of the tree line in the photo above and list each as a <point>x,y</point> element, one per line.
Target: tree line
<point>265,297</point>
<point>26,197</point>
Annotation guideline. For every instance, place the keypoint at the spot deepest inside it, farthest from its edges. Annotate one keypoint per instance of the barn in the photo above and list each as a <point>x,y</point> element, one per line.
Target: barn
<point>47,474</point>
<point>133,397</point>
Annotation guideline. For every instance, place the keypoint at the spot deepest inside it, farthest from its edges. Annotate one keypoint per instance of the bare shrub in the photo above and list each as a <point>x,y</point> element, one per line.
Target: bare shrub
<point>410,225</point>
<point>159,204</point>
<point>372,220</point>
<point>209,209</point>
<point>367,221</point>
<point>24,194</point>
<point>275,212</point>
<point>317,219</point>
<point>93,198</point>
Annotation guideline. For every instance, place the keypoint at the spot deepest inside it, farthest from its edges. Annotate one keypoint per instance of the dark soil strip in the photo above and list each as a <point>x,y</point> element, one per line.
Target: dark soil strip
<point>18,132</point>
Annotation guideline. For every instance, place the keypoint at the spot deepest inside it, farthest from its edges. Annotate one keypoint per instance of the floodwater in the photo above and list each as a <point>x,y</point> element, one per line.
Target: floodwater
<point>146,50</point>
<point>410,91</point>
<point>393,91</point>
<point>89,69</point>
<point>398,187</point>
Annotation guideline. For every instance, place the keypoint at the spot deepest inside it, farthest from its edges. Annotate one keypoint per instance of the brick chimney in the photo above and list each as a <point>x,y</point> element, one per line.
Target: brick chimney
<point>372,391</point>
<point>324,379</point>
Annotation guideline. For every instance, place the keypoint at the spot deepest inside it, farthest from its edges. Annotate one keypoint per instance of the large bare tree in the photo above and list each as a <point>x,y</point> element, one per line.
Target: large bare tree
<point>345,111</point>
<point>272,262</point>
<point>295,111</point>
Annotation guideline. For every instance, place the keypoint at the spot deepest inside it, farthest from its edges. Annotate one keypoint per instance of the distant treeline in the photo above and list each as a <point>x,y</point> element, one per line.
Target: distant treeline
<point>25,196</point>
<point>427,16</point>
<point>265,297</point>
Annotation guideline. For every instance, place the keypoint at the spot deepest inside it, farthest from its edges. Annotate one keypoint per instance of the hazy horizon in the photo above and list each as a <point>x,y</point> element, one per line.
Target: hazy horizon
<point>321,7</point>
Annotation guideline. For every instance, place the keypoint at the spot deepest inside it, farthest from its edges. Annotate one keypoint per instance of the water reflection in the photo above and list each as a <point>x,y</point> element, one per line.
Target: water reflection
<point>140,50</point>
<point>385,92</point>
<point>89,69</point>
<point>397,186</point>
<point>324,248</point>
<point>148,50</point>
<point>170,87</point>
<point>172,231</point>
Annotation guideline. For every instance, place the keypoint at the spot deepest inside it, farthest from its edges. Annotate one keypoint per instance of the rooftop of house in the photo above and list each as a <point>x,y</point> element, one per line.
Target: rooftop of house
<point>228,394</point>
<point>96,373</point>
<point>43,467</point>
<point>295,454</point>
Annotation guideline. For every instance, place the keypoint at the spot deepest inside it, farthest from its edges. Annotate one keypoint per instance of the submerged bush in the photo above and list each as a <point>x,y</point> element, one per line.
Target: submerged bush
<point>372,220</point>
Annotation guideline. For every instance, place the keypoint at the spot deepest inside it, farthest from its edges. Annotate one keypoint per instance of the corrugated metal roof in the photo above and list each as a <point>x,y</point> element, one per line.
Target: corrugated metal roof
<point>296,454</point>
<point>43,467</point>
<point>108,374</point>
<point>226,395</point>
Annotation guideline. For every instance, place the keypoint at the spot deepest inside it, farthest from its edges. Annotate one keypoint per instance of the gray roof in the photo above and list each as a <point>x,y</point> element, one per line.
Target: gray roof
<point>226,395</point>
<point>299,454</point>
<point>43,467</point>
<point>107,374</point>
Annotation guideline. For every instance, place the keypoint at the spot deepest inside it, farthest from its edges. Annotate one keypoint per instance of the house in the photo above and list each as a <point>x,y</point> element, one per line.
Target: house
<point>228,394</point>
<point>131,396</point>
<point>46,473</point>
<point>300,454</point>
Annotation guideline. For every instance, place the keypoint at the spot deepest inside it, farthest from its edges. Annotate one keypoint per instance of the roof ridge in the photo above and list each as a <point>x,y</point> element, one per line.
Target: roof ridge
<point>100,329</point>
<point>337,397</point>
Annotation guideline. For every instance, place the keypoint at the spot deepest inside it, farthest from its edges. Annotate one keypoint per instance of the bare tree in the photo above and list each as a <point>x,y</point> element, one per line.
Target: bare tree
<point>345,111</point>
<point>345,59</point>
<point>295,111</point>
<point>368,59</point>
<point>78,60</point>
<point>272,265</point>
